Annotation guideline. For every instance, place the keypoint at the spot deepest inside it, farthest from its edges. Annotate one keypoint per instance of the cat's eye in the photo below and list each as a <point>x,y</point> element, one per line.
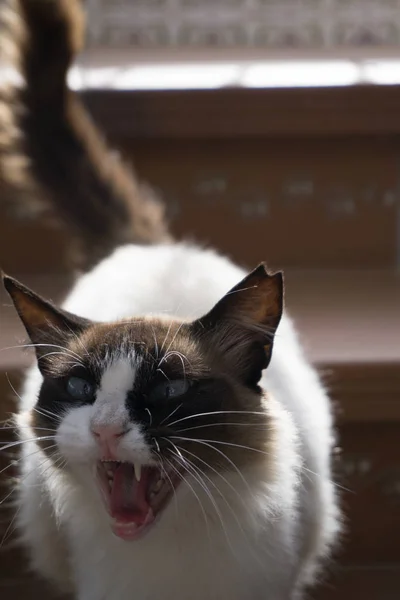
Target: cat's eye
<point>80,389</point>
<point>170,389</point>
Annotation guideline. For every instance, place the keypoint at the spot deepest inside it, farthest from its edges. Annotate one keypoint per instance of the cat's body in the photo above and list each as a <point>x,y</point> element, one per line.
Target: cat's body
<point>250,526</point>
<point>282,542</point>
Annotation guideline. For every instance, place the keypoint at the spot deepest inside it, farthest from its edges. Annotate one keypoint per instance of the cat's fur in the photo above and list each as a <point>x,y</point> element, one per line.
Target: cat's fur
<point>256,510</point>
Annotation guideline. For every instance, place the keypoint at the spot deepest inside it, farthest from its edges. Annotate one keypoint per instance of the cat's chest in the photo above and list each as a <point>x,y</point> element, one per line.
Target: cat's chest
<point>181,574</point>
<point>181,568</point>
<point>184,569</point>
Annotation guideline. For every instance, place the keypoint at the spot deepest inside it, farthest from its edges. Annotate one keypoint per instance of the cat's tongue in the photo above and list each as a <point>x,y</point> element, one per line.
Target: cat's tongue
<point>128,502</point>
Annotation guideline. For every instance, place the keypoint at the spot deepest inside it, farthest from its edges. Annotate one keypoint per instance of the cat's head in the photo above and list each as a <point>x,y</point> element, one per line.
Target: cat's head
<point>146,403</point>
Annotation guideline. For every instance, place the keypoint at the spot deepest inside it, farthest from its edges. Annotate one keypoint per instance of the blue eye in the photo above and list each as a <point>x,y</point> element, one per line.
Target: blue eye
<point>170,389</point>
<point>80,389</point>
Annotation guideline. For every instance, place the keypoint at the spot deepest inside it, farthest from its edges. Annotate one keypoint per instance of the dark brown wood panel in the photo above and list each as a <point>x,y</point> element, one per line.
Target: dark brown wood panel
<point>361,583</point>
<point>370,474</point>
<point>302,177</point>
<point>235,112</point>
<point>296,202</point>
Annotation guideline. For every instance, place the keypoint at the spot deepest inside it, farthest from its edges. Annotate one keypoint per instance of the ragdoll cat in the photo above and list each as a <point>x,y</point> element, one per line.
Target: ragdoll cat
<point>176,444</point>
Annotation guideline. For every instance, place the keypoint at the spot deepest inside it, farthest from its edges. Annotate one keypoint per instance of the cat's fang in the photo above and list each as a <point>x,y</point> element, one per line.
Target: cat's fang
<point>138,470</point>
<point>157,487</point>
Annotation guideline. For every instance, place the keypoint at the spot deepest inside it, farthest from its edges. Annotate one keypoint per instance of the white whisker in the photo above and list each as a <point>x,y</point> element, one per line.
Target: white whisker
<point>204,442</point>
<point>171,342</point>
<point>220,412</point>
<point>172,413</point>
<point>193,491</point>
<point>20,442</point>
<point>260,425</point>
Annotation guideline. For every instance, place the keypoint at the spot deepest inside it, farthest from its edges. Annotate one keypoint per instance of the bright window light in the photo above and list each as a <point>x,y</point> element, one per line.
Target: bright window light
<point>382,72</point>
<point>157,77</point>
<point>214,75</point>
<point>301,74</point>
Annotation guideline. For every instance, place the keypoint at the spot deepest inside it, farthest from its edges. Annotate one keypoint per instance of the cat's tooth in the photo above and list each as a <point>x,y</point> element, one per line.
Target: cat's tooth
<point>157,486</point>
<point>138,470</point>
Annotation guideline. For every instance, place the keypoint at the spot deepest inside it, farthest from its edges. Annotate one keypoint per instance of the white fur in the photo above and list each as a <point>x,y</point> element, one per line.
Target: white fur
<point>117,380</point>
<point>260,538</point>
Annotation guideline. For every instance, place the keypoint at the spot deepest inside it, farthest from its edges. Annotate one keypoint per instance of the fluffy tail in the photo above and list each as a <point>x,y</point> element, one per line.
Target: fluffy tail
<point>52,158</point>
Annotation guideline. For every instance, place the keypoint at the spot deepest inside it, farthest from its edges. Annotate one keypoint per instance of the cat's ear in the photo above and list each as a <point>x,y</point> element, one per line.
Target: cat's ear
<point>48,327</point>
<point>242,325</point>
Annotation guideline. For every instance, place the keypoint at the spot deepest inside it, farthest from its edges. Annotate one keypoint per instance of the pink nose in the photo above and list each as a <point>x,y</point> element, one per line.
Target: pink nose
<point>107,436</point>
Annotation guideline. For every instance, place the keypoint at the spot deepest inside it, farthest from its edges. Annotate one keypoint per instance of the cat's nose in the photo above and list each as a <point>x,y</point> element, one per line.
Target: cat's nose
<point>107,436</point>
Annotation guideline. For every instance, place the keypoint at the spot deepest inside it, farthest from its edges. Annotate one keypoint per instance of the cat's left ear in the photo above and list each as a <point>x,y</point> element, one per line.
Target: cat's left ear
<point>46,325</point>
<point>242,325</point>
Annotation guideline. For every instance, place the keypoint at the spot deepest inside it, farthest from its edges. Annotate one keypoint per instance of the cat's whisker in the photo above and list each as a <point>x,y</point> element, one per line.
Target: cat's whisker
<point>21,479</point>
<point>23,346</point>
<point>15,461</point>
<point>165,472</point>
<point>209,445</point>
<point>250,287</point>
<point>239,496</point>
<point>78,362</point>
<point>17,427</point>
<point>171,342</point>
<point>48,414</point>
<point>223,497</point>
<point>241,446</point>
<point>162,373</point>
<point>258,450</point>
<point>179,474</point>
<point>155,342</point>
<point>180,356</point>
<point>194,472</point>
<point>219,412</point>
<point>10,529</point>
<point>172,413</point>
<point>201,475</point>
<point>150,415</point>
<point>340,487</point>
<point>78,340</point>
<point>20,442</point>
<point>232,487</point>
<point>156,444</point>
<point>166,337</point>
<point>12,387</point>
<point>205,426</point>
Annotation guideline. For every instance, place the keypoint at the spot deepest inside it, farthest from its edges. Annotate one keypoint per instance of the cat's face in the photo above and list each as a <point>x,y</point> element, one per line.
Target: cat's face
<point>146,403</point>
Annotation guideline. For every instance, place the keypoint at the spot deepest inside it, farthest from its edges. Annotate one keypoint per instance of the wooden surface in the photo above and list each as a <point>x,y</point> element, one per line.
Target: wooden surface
<point>297,177</point>
<point>235,113</point>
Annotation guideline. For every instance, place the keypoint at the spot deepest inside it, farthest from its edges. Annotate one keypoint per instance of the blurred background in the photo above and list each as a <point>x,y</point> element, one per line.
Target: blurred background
<point>272,130</point>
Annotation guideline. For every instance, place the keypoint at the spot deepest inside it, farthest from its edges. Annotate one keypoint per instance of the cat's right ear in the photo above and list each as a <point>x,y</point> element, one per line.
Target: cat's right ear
<point>46,325</point>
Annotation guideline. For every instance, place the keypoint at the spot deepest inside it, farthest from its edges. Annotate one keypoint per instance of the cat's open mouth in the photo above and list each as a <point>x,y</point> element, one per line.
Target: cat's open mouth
<point>134,497</point>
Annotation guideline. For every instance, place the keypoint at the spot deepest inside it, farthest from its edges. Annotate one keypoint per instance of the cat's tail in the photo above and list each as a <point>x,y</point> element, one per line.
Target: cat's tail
<point>52,158</point>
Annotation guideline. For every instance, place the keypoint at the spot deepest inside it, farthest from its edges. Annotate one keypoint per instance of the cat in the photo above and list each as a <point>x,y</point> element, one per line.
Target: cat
<point>176,443</point>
